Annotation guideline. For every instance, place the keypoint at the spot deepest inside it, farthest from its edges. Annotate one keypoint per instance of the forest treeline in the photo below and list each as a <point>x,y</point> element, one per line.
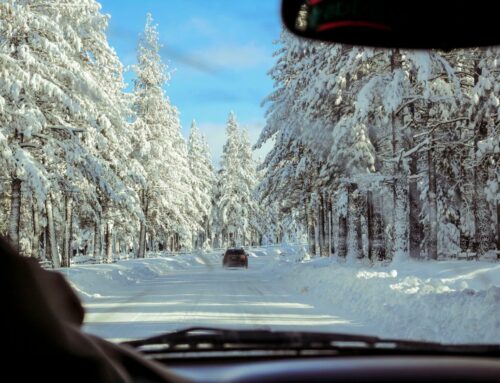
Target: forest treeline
<point>384,153</point>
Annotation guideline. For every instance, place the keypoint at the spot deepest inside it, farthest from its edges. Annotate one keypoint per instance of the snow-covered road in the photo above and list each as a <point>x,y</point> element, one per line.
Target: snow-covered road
<point>205,294</point>
<point>449,301</point>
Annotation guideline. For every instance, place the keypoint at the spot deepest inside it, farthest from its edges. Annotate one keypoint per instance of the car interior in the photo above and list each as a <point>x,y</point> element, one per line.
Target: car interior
<point>205,354</point>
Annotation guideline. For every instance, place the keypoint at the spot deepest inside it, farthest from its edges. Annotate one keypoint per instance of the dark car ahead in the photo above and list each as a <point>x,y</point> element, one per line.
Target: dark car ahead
<point>235,258</point>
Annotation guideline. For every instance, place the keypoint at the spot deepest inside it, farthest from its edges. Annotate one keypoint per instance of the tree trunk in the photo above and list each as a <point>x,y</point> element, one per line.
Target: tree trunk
<point>15,206</point>
<point>343,228</point>
<point>353,223</point>
<point>370,223</point>
<point>334,224</point>
<point>462,201</point>
<point>46,247</point>
<point>52,252</point>
<point>142,230</point>
<point>43,243</point>
<point>498,229</point>
<point>208,233</point>
<point>400,193</point>
<point>97,237</point>
<point>343,236</point>
<point>68,216</point>
<point>108,240</point>
<point>483,236</point>
<point>321,226</point>
<point>317,244</point>
<point>35,240</point>
<point>310,231</point>
<point>414,202</point>
<point>312,239</point>
<point>401,219</point>
<point>330,228</point>
<point>359,229</point>
<point>433,224</point>
<point>142,240</point>
<point>414,216</point>
<point>15,212</point>
<point>380,241</point>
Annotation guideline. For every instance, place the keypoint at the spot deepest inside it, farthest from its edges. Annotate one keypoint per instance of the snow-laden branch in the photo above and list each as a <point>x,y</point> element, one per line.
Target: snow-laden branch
<point>433,127</point>
<point>67,128</point>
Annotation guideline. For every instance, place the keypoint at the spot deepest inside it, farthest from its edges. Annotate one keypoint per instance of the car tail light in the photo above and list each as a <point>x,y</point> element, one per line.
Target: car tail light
<point>243,257</point>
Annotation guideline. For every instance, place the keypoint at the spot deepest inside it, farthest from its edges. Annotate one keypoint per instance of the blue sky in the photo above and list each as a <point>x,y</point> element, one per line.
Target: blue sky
<point>219,53</point>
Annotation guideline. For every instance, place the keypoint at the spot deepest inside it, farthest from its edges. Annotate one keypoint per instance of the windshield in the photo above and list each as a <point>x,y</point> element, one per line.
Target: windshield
<point>139,141</point>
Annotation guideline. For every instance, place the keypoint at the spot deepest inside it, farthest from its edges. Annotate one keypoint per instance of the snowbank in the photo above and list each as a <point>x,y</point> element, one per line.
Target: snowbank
<point>100,280</point>
<point>446,301</point>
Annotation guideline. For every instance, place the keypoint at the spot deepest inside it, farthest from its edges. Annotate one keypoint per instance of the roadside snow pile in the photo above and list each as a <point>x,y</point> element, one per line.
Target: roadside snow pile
<point>447,301</point>
<point>286,252</point>
<point>100,280</point>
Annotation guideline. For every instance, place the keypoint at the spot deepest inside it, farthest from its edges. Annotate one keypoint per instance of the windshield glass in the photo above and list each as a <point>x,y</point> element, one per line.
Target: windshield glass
<point>141,140</point>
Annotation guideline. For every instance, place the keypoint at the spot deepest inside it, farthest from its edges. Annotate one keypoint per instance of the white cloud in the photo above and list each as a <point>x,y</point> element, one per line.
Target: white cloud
<point>200,25</point>
<point>238,56</point>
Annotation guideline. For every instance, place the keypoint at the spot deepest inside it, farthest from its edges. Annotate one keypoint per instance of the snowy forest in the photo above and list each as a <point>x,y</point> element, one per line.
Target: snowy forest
<point>88,168</point>
<point>377,154</point>
<point>385,154</point>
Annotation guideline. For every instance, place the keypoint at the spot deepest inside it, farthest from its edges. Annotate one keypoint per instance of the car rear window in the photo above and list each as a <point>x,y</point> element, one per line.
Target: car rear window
<point>235,252</point>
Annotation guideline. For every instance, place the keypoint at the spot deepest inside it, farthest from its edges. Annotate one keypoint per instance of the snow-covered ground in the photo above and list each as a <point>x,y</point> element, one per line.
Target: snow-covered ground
<point>446,301</point>
<point>449,301</point>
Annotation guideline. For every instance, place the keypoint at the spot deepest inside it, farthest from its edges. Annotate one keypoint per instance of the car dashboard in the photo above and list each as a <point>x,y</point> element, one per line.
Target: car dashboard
<point>204,354</point>
<point>338,369</point>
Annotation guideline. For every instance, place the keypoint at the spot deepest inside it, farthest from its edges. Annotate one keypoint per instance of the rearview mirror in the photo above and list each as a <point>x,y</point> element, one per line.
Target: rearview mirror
<point>423,24</point>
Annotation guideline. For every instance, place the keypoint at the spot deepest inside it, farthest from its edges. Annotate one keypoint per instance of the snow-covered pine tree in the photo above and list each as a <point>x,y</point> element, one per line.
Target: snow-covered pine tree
<point>229,203</point>
<point>289,167</point>
<point>166,198</point>
<point>203,179</point>
<point>247,188</point>
<point>235,203</point>
<point>152,119</point>
<point>53,114</point>
<point>108,139</point>
<point>181,207</point>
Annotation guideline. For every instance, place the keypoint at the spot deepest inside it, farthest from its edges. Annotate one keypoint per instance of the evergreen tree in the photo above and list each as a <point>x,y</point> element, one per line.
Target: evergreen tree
<point>203,179</point>
<point>235,204</point>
